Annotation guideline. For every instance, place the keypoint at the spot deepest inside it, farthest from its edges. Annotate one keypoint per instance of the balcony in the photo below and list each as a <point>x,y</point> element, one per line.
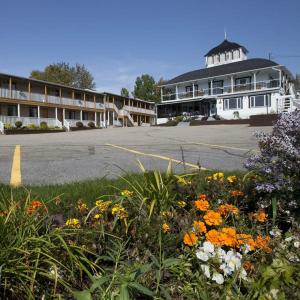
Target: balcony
<point>134,109</point>
<point>225,90</point>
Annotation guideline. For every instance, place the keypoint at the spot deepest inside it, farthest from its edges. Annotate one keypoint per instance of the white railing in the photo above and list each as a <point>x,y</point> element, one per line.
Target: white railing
<point>37,97</point>
<point>30,120</point>
<point>228,89</point>
<point>99,105</point>
<point>139,110</point>
<point>1,127</point>
<point>53,99</point>
<point>73,102</point>
<point>72,122</point>
<point>67,124</point>
<point>5,93</point>
<point>90,104</point>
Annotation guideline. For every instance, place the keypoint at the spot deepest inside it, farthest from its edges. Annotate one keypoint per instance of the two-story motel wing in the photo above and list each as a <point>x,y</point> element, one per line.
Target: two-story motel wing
<point>230,86</point>
<point>33,101</point>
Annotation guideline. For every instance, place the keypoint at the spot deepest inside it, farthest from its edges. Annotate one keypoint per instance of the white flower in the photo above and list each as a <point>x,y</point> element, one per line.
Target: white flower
<point>275,232</point>
<point>221,254</point>
<point>205,269</point>
<point>218,278</point>
<point>208,247</point>
<point>226,269</point>
<point>274,293</point>
<point>243,274</point>
<point>202,255</point>
<point>289,239</point>
<point>296,244</point>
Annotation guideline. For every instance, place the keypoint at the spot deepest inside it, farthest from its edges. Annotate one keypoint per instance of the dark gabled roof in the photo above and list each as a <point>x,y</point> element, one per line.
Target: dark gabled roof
<point>240,66</point>
<point>225,46</point>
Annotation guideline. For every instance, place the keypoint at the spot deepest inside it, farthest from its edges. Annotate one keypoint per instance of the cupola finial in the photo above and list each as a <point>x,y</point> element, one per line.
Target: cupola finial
<point>225,34</point>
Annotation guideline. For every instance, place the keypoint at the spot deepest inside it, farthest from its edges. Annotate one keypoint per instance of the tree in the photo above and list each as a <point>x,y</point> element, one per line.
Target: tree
<point>147,88</point>
<point>124,92</point>
<point>75,76</point>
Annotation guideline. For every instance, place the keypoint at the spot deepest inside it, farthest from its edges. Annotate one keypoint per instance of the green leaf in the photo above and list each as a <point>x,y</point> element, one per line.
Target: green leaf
<point>140,288</point>
<point>124,295</point>
<point>83,295</point>
<point>171,262</point>
<point>98,282</point>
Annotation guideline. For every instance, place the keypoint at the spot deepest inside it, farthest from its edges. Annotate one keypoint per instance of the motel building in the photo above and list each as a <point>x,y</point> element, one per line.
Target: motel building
<point>33,101</point>
<point>231,86</point>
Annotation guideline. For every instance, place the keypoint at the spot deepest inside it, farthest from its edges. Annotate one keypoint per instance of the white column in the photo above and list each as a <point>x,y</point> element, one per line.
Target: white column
<point>280,78</point>
<point>38,112</point>
<point>176,92</point>
<point>100,119</point>
<point>19,111</point>
<point>254,80</point>
<point>211,87</point>
<point>108,117</point>
<point>232,87</point>
<point>193,90</point>
<point>161,94</point>
<point>95,118</point>
<point>64,114</point>
<point>81,115</point>
<point>56,113</point>
<point>114,116</point>
<point>104,118</point>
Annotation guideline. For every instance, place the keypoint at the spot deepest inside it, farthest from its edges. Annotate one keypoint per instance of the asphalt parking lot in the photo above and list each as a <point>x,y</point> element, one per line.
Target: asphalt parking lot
<point>75,156</point>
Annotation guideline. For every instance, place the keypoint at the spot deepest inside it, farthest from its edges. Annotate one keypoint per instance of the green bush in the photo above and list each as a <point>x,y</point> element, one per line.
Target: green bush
<point>79,124</point>
<point>91,125</point>
<point>32,126</point>
<point>18,124</point>
<point>170,123</point>
<point>43,125</point>
<point>8,126</point>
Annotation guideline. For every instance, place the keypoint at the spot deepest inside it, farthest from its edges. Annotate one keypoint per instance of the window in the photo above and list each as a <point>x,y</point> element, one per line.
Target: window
<point>216,87</point>
<point>189,90</point>
<point>243,83</point>
<point>232,103</point>
<point>260,100</point>
<point>12,110</point>
<point>33,112</point>
<point>217,58</point>
<point>227,56</point>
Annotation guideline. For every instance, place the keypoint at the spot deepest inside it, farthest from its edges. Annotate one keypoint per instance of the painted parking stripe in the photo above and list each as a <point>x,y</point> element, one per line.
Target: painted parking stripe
<point>224,147</point>
<point>15,178</point>
<point>156,156</point>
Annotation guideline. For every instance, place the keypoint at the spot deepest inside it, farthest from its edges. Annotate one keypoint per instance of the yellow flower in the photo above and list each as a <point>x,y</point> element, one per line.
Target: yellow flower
<point>209,178</point>
<point>212,218</point>
<point>181,204</point>
<point>127,193</point>
<point>81,206</point>
<point>97,216</point>
<point>167,214</point>
<point>218,176</point>
<point>73,223</point>
<point>165,227</point>
<point>102,205</point>
<point>183,181</point>
<point>120,211</point>
<point>231,179</point>
<point>190,239</point>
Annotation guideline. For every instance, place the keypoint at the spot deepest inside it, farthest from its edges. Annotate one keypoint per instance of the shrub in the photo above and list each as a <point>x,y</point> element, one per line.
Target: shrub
<point>91,125</point>
<point>170,123</point>
<point>79,124</point>
<point>8,126</point>
<point>43,125</point>
<point>32,126</point>
<point>18,124</point>
<point>278,166</point>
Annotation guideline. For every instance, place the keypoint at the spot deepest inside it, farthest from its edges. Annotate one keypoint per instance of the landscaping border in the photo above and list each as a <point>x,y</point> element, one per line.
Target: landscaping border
<point>82,128</point>
<point>263,120</point>
<point>219,122</point>
<point>31,131</point>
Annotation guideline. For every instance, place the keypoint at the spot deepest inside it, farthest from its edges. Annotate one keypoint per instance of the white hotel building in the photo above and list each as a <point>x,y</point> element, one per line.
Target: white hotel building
<point>231,86</point>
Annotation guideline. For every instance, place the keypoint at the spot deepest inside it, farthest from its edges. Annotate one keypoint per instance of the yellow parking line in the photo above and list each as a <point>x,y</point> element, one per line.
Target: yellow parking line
<point>156,156</point>
<point>224,147</point>
<point>15,178</point>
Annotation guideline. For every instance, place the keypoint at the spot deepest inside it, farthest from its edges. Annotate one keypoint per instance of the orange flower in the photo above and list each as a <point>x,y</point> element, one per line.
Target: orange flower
<point>214,237</point>
<point>33,206</point>
<point>202,205</point>
<point>262,243</point>
<point>246,239</point>
<point>260,216</point>
<point>190,239</point>
<point>165,228</point>
<point>248,266</point>
<point>236,193</point>
<point>200,227</point>
<point>225,209</point>
<point>229,237</point>
<point>212,218</point>
<point>202,197</point>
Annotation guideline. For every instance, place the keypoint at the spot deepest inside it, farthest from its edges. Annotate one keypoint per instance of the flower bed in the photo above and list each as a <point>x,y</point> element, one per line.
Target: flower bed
<point>31,131</point>
<point>166,236</point>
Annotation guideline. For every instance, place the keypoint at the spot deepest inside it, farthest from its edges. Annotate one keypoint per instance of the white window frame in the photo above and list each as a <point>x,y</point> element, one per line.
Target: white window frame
<point>267,101</point>
<point>238,100</point>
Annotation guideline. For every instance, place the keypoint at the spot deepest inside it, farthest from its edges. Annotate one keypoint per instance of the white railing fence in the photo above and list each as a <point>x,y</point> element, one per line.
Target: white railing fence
<point>1,127</point>
<point>29,120</point>
<point>72,122</point>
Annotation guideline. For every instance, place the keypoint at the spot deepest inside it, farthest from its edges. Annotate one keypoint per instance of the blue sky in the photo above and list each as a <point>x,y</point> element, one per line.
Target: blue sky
<point>119,40</point>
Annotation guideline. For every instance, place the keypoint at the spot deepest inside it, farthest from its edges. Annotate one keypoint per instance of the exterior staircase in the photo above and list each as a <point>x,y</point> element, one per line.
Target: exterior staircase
<point>121,114</point>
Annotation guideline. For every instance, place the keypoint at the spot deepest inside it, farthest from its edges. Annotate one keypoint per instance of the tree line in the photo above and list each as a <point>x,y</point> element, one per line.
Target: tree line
<point>78,76</point>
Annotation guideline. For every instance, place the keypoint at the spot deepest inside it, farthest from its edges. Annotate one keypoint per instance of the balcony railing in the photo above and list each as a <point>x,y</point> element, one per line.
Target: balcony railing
<point>215,91</point>
<point>139,110</point>
<point>29,120</point>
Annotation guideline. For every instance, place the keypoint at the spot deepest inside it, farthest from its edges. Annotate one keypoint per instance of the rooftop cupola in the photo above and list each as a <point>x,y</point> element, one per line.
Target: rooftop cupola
<point>226,52</point>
